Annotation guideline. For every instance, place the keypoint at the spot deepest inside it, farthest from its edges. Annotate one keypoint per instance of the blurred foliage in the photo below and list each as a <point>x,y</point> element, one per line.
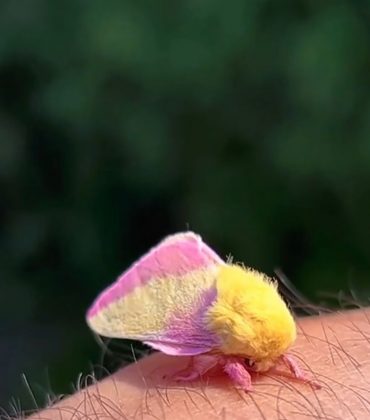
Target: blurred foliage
<point>123,121</point>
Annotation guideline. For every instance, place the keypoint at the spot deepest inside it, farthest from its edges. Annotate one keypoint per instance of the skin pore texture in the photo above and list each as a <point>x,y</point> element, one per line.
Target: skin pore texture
<point>334,349</point>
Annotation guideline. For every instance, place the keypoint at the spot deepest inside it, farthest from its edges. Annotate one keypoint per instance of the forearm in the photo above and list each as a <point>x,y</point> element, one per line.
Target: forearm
<point>335,348</point>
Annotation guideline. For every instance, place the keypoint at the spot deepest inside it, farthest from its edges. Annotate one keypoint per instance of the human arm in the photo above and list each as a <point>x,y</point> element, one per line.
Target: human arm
<point>335,349</point>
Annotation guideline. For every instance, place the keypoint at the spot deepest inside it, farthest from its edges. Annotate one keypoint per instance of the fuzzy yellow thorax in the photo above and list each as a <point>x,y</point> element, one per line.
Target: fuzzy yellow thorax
<point>250,317</point>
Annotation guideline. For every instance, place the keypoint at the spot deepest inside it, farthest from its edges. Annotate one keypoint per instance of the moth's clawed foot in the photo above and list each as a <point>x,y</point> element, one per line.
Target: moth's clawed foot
<point>246,387</point>
<point>296,370</point>
<point>198,366</point>
<point>186,376</point>
<point>313,383</point>
<point>182,376</point>
<point>307,380</point>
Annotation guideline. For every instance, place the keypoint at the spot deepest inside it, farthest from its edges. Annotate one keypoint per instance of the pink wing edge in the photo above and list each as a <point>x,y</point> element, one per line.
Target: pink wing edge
<point>176,254</point>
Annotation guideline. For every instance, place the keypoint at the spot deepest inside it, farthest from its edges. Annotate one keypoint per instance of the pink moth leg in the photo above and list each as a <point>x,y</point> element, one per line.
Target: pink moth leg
<point>297,371</point>
<point>234,367</point>
<point>237,372</point>
<point>198,366</point>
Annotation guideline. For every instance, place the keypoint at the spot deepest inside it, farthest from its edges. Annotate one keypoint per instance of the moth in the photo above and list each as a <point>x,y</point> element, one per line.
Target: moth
<point>182,299</point>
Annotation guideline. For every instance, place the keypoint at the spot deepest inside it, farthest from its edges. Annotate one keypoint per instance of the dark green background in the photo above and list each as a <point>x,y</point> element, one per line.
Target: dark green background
<point>124,121</point>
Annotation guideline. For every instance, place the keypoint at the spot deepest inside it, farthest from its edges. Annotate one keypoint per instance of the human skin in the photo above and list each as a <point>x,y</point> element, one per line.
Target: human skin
<point>334,349</point>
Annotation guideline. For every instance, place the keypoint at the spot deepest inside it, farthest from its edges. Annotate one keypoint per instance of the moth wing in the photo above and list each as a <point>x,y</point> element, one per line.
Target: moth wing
<point>161,299</point>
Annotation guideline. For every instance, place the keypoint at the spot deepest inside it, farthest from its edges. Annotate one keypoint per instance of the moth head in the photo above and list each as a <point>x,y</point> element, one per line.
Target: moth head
<point>260,366</point>
<point>250,317</point>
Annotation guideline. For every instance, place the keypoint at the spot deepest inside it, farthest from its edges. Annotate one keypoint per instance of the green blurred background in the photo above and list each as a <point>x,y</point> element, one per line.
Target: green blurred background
<point>124,121</point>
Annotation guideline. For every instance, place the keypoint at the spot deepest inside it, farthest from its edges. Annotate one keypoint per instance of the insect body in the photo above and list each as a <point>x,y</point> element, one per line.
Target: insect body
<point>181,298</point>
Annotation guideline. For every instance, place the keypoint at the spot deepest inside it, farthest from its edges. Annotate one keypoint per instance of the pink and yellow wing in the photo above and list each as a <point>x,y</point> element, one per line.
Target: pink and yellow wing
<point>161,299</point>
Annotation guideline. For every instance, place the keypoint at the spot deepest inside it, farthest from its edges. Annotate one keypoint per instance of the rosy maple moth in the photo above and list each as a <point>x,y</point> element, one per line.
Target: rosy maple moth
<point>181,298</point>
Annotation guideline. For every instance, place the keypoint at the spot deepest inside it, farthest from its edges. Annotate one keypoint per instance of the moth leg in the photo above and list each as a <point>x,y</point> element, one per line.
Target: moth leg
<point>198,366</point>
<point>238,373</point>
<point>296,370</point>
